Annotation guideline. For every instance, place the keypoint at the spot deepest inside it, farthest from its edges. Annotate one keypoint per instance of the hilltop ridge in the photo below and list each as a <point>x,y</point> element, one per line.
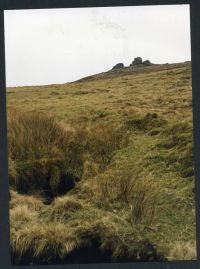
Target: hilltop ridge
<point>118,72</point>
<point>134,69</point>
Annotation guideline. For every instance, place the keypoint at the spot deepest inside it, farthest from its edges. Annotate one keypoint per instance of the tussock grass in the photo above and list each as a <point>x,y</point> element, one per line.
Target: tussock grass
<point>63,207</point>
<point>104,140</point>
<point>45,156</point>
<point>144,201</point>
<point>117,182</point>
<point>22,214</point>
<point>31,202</point>
<point>45,241</point>
<point>145,123</point>
<point>183,251</point>
<point>33,136</point>
<point>90,167</point>
<point>124,182</point>
<point>50,241</point>
<point>35,146</point>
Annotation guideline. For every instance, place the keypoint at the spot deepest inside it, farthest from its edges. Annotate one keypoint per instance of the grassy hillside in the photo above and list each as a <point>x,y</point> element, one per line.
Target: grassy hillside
<point>101,169</point>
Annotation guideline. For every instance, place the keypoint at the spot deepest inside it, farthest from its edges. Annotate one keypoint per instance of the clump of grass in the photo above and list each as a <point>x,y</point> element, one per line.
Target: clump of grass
<point>104,140</point>
<point>37,145</point>
<point>144,201</point>
<point>128,185</point>
<point>33,136</point>
<point>39,175</point>
<point>95,143</point>
<point>181,251</point>
<point>90,167</point>
<point>44,242</point>
<point>46,156</point>
<point>21,214</point>
<point>31,202</point>
<point>63,207</point>
<point>114,185</point>
<point>50,242</point>
<point>145,123</point>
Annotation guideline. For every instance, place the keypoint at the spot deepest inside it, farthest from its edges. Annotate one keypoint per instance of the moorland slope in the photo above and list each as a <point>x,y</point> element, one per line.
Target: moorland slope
<point>101,169</point>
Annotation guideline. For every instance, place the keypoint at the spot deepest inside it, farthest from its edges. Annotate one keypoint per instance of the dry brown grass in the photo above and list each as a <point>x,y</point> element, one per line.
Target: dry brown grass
<point>34,136</point>
<point>183,251</point>
<point>63,207</point>
<point>32,202</point>
<point>22,214</point>
<point>54,239</point>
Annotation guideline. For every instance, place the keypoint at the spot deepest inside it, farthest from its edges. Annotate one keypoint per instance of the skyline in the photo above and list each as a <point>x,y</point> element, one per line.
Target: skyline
<point>54,46</point>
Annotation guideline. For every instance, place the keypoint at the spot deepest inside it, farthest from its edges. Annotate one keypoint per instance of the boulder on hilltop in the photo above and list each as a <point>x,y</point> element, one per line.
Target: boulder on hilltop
<point>147,62</point>
<point>118,66</point>
<point>137,61</point>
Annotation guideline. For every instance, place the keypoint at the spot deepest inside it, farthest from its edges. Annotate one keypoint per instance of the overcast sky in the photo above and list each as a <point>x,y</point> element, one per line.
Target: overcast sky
<point>62,45</point>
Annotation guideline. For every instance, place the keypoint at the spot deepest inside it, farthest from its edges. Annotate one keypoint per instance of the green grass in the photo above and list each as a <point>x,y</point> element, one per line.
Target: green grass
<point>114,152</point>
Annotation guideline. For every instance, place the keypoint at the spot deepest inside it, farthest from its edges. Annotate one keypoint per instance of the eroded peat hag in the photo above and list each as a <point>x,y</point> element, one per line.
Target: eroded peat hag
<point>101,169</point>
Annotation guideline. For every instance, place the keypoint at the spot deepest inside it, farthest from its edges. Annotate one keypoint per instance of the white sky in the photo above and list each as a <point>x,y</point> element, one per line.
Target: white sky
<point>61,45</point>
